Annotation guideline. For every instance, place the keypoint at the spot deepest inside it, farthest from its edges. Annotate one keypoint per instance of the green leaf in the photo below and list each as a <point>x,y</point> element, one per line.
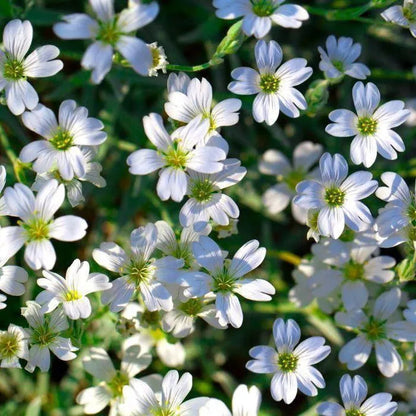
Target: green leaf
<point>34,407</point>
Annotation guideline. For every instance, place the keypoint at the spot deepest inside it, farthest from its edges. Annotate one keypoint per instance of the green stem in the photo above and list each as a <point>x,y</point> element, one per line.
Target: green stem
<point>389,74</point>
<point>286,256</point>
<point>17,165</point>
<point>195,68</point>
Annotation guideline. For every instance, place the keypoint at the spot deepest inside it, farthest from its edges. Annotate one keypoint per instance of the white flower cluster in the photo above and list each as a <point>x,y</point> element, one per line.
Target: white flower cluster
<point>160,282</point>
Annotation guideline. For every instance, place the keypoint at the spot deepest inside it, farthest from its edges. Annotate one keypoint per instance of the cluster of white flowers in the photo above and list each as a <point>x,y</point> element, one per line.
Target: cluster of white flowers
<point>166,277</point>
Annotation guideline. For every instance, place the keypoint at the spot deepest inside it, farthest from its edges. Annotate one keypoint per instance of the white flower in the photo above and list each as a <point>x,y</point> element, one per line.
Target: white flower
<point>206,201</point>
<point>139,271</point>
<point>273,85</point>
<point>404,16</point>
<point>112,381</point>
<point>175,155</point>
<point>72,291</point>
<point>180,321</point>
<point>12,279</point>
<point>146,330</point>
<point>340,57</point>
<point>275,163</point>
<point>44,335</point>
<point>227,278</point>
<point>337,197</point>
<point>73,187</point>
<point>180,248</point>
<point>110,32</point>
<point>410,312</point>
<point>246,402</point>
<point>2,184</point>
<point>37,225</point>
<point>353,265</point>
<point>371,127</point>
<point>376,329</point>
<point>15,68</point>
<point>141,400</point>
<point>291,365</point>
<point>353,393</point>
<point>397,220</point>
<point>178,82</point>
<point>159,59</point>
<point>60,148</point>
<point>197,101</point>
<point>258,15</point>
<point>13,346</point>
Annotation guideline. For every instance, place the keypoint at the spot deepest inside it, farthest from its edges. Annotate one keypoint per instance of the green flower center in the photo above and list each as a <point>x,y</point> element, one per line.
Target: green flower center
<point>353,271</point>
<point>37,229</point>
<point>411,212</point>
<point>9,345</point>
<point>43,336</point>
<point>164,411</point>
<point>72,295</point>
<point>224,282</point>
<point>62,140</point>
<point>334,197</point>
<point>338,65</point>
<point>409,12</point>
<point>293,178</point>
<point>374,330</point>
<point>202,190</point>
<point>269,83</point>
<point>262,8</point>
<point>192,307</point>
<point>182,251</point>
<point>354,412</point>
<point>151,318</point>
<point>367,126</point>
<point>117,383</point>
<point>347,235</point>
<point>140,271</point>
<point>287,362</point>
<point>176,158</point>
<point>13,70</point>
<point>109,33</point>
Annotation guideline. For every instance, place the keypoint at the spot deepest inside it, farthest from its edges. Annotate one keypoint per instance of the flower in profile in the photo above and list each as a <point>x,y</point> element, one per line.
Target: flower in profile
<point>376,329</point>
<point>371,127</point>
<point>175,155</point>
<point>44,337</point>
<point>72,291</point>
<point>275,163</point>
<point>292,364</point>
<point>159,59</point>
<point>404,16</point>
<point>110,32</point>
<point>141,400</point>
<point>15,69</point>
<point>12,279</point>
<point>227,279</point>
<point>353,393</point>
<point>339,59</point>
<point>13,346</point>
<point>337,197</point>
<point>258,15</point>
<point>112,381</point>
<point>197,100</point>
<point>396,222</point>
<point>139,271</point>
<point>37,225</point>
<point>273,83</point>
<point>246,402</point>
<point>74,188</point>
<point>60,149</point>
